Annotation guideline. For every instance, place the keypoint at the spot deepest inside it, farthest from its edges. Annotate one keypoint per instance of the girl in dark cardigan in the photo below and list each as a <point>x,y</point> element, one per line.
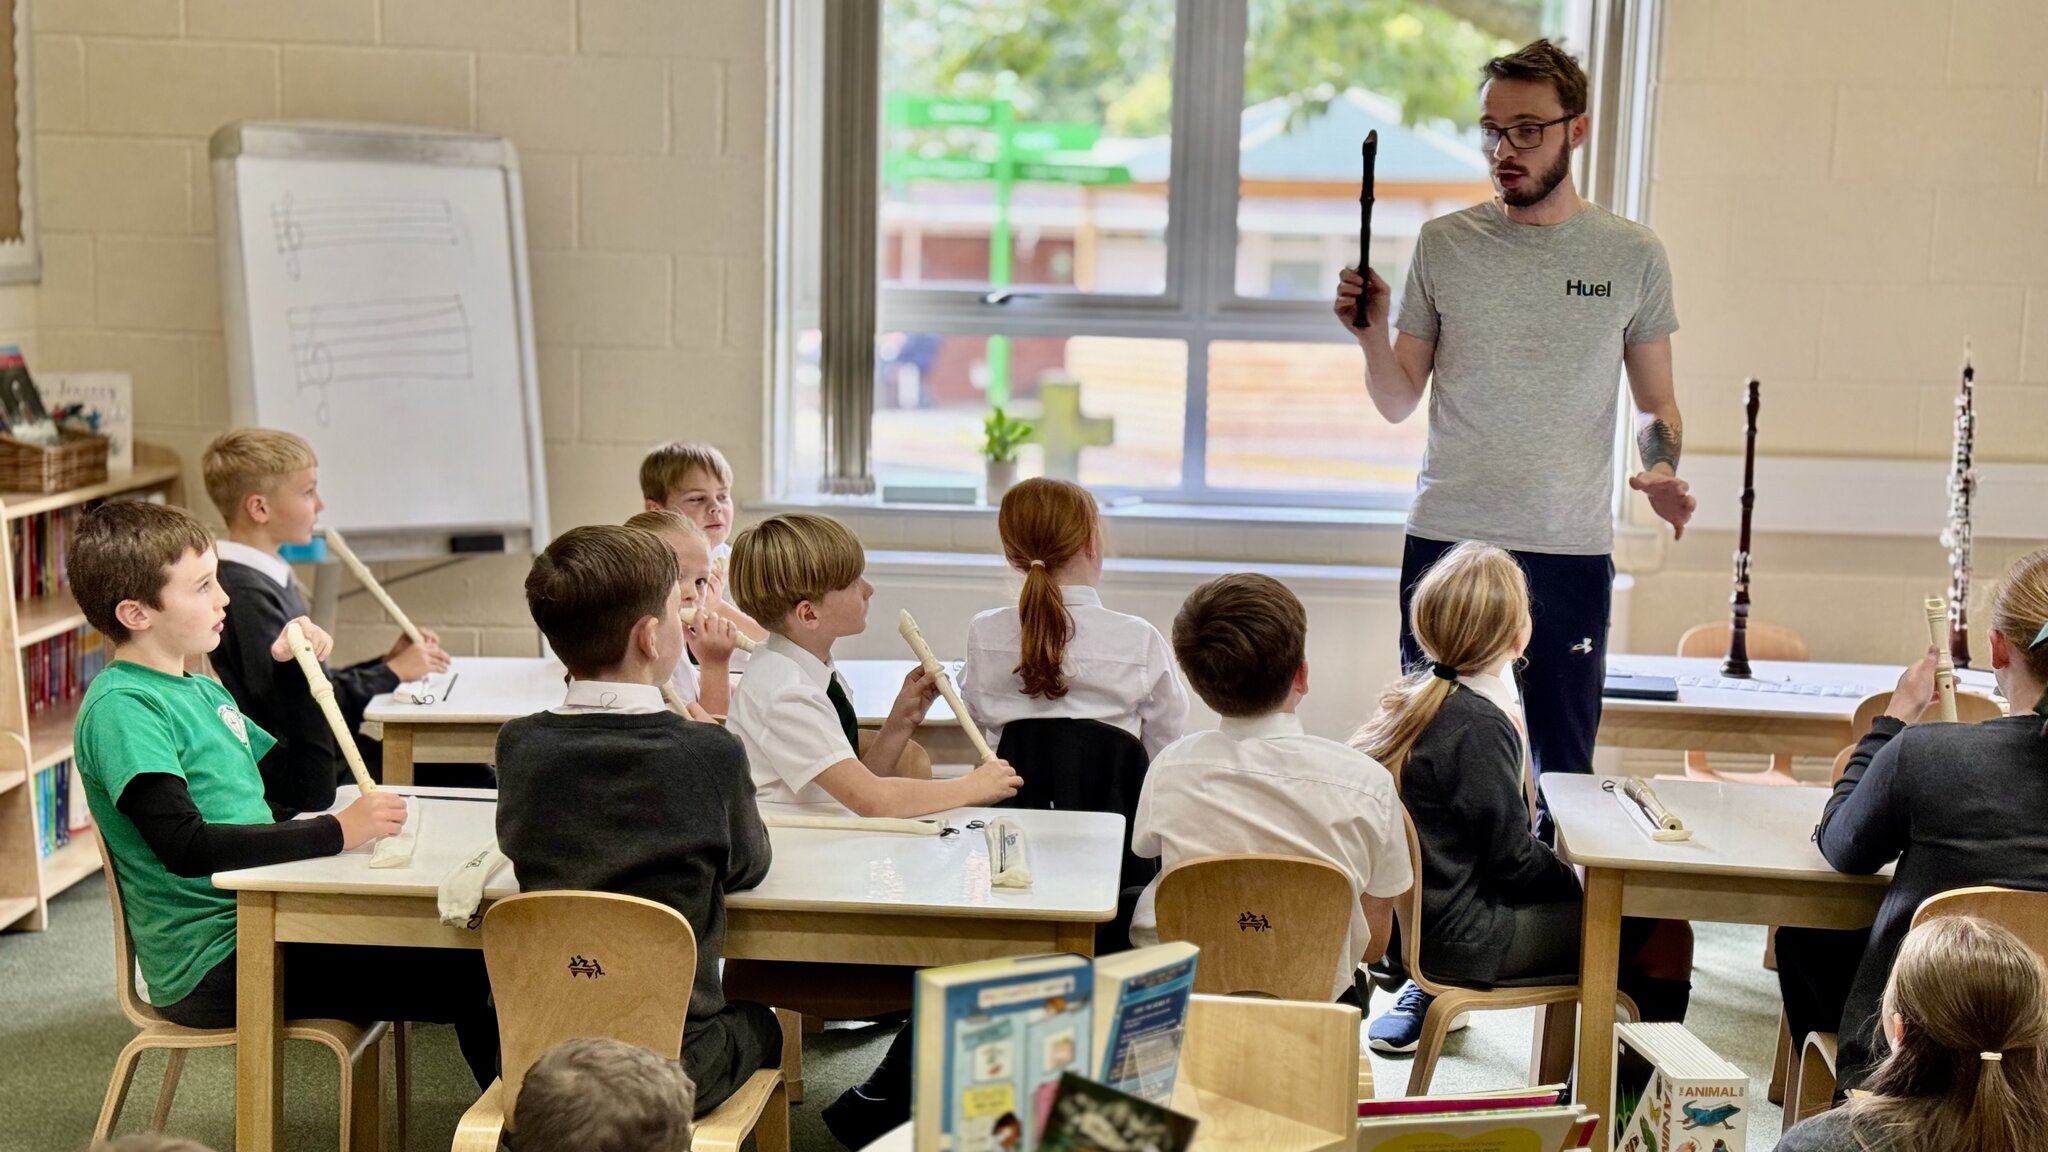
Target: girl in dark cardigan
<point>1966,1018</point>
<point>1954,804</point>
<point>1499,907</point>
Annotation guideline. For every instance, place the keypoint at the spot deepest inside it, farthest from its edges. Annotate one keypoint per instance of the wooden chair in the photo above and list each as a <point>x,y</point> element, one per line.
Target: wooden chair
<point>355,1047</point>
<point>2023,913</point>
<point>1550,1056</point>
<point>570,964</point>
<point>821,992</point>
<point>1300,921</point>
<point>1765,642</point>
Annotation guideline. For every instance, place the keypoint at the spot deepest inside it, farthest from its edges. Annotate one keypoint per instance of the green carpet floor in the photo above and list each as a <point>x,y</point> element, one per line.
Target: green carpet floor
<point>60,1030</point>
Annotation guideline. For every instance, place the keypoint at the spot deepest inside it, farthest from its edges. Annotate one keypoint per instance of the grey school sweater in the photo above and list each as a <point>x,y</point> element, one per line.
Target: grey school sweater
<point>648,804</point>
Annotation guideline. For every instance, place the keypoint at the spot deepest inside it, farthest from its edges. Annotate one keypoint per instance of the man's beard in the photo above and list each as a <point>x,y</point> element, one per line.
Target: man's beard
<point>1535,188</point>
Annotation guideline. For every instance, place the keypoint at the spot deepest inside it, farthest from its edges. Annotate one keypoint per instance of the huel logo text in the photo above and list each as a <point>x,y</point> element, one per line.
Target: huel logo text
<point>1581,288</point>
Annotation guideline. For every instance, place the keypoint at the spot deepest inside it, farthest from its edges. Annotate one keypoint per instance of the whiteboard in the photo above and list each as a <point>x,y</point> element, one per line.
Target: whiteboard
<point>375,301</point>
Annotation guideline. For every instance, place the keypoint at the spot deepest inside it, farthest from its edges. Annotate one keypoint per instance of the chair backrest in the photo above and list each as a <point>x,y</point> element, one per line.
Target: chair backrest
<point>1083,766</point>
<point>1764,641</point>
<point>1292,1060</point>
<point>2023,913</point>
<point>565,965</point>
<point>138,1011</point>
<point>913,764</point>
<point>1267,925</point>
<point>1971,708</point>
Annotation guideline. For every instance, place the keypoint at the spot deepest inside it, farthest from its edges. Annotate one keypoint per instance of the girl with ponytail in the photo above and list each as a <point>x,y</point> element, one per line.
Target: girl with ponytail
<point>1498,906</point>
<point>1954,804</point>
<point>1059,653</point>
<point>1966,1019</point>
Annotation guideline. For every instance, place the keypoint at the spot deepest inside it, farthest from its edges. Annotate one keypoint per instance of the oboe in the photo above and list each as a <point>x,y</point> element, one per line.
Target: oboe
<point>1737,664</point>
<point>1962,485</point>
<point>1369,154</point>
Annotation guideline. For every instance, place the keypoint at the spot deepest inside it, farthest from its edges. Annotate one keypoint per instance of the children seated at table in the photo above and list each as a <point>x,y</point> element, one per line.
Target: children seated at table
<point>266,485</point>
<point>1954,804</point>
<point>601,1095</point>
<point>170,772</point>
<point>1058,653</point>
<point>1966,1021</point>
<point>1258,783</point>
<point>613,792</point>
<point>1499,907</point>
<point>694,480</point>
<point>704,676</point>
<point>801,574</point>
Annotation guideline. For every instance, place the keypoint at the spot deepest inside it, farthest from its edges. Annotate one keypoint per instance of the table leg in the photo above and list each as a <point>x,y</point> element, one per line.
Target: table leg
<point>1077,937</point>
<point>259,1024</point>
<point>1599,968</point>
<point>397,753</point>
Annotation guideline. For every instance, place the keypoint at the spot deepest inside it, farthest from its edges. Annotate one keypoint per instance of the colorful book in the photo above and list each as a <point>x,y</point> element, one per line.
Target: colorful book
<point>1141,1018</point>
<point>1091,1117</point>
<point>1672,1093</point>
<point>1499,1100</point>
<point>992,1041</point>
<point>1549,1129</point>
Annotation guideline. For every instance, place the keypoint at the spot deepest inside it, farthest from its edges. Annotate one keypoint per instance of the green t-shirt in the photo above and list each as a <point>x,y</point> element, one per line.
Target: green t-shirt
<point>136,720</point>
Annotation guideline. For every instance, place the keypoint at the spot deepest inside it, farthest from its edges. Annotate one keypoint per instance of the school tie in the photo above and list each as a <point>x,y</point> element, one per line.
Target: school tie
<point>842,704</point>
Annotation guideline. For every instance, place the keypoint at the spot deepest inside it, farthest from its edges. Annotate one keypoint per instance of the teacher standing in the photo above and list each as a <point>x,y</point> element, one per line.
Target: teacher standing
<point>1524,310</point>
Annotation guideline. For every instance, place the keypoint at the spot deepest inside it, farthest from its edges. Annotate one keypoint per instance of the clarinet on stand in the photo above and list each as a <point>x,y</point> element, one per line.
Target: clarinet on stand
<point>1737,665</point>
<point>1962,485</point>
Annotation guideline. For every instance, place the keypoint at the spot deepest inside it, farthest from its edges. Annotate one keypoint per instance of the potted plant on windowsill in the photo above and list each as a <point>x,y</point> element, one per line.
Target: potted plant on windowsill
<point>1002,434</point>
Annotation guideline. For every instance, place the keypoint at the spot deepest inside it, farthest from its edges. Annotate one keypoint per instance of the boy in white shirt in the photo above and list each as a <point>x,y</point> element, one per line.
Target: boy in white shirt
<point>1058,653</point>
<point>694,480</point>
<point>1258,783</point>
<point>704,678</point>
<point>801,575</point>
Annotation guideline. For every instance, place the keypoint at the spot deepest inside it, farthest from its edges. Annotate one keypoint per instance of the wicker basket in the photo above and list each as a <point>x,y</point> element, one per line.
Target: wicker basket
<point>80,460</point>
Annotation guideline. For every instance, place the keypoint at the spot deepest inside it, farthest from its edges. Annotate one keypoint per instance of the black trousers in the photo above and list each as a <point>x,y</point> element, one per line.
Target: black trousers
<point>1566,662</point>
<point>720,1053</point>
<point>1816,971</point>
<point>359,983</point>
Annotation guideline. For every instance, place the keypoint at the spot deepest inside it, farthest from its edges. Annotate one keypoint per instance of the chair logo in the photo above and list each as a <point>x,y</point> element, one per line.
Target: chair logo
<point>581,966</point>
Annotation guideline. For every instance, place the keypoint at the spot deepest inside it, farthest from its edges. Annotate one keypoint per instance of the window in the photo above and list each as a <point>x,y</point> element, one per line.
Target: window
<point>1148,201</point>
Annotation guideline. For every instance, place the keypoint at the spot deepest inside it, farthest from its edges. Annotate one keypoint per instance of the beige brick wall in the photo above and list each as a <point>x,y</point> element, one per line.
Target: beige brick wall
<point>641,126</point>
<point>1847,190</point>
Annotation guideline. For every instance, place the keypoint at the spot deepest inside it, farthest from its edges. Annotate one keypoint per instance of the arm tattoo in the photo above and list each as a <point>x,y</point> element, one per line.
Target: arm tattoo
<point>1659,443</point>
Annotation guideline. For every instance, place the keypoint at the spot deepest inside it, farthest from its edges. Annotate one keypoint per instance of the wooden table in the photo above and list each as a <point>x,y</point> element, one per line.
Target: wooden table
<point>1713,714</point>
<point>461,725</point>
<point>1751,860</point>
<point>830,896</point>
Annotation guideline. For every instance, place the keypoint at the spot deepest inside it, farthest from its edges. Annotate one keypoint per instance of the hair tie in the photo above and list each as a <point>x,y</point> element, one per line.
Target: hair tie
<point>1993,1057</point>
<point>1443,671</point>
<point>1038,564</point>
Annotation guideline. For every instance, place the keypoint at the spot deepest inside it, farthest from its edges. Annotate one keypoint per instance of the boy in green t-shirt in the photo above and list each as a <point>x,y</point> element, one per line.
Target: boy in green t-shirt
<point>169,766</point>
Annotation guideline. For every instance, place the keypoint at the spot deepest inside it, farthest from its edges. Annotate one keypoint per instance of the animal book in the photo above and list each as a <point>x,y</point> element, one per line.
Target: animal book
<point>1091,1117</point>
<point>1141,1017</point>
<point>992,1041</point>
<point>1673,1094</point>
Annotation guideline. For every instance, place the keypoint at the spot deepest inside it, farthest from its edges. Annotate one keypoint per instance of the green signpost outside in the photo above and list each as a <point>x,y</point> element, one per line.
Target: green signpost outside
<point>1005,153</point>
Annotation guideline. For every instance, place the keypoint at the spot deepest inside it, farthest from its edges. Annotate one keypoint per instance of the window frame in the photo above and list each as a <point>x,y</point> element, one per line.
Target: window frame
<point>1199,304</point>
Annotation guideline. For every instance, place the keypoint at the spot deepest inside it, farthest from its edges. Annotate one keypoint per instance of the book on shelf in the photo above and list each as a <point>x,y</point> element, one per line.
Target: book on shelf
<point>58,670</point>
<point>1141,1018</point>
<point>1090,1117</point>
<point>993,1039</point>
<point>1480,1122</point>
<point>1672,1093</point>
<point>53,789</point>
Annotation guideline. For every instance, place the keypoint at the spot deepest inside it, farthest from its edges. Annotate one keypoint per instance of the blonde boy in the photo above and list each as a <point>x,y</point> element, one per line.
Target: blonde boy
<point>801,574</point>
<point>693,480</point>
<point>708,682</point>
<point>266,484</point>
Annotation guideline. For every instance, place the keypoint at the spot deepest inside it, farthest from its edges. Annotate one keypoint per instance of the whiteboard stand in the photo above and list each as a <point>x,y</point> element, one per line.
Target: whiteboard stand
<point>376,302</point>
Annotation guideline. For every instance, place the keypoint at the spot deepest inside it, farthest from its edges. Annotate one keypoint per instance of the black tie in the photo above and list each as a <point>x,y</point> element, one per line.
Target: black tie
<point>848,721</point>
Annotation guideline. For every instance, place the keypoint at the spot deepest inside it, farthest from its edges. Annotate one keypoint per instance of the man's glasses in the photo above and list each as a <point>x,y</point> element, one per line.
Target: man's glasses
<point>1521,137</point>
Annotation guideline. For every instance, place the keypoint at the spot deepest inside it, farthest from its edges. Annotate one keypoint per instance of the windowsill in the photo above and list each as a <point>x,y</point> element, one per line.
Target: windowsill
<point>1218,514</point>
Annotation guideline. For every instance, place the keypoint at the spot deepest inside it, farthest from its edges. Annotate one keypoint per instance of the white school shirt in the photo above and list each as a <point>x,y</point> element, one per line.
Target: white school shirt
<point>1261,785</point>
<point>788,726</point>
<point>585,696</point>
<point>268,563</point>
<point>1119,670</point>
<point>684,682</point>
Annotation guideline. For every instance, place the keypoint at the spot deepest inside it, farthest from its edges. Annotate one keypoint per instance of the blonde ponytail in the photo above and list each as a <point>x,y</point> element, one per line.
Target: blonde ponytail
<point>1467,611</point>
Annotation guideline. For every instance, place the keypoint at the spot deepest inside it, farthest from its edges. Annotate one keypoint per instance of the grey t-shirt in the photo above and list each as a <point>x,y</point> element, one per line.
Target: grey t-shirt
<point>1529,324</point>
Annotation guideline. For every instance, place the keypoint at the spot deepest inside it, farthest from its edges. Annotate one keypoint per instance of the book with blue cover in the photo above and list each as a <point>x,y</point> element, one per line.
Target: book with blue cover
<point>992,1040</point>
<point>1141,1017</point>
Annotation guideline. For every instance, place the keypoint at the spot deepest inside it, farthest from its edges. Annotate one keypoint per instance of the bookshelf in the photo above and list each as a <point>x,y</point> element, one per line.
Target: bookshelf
<point>40,635</point>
